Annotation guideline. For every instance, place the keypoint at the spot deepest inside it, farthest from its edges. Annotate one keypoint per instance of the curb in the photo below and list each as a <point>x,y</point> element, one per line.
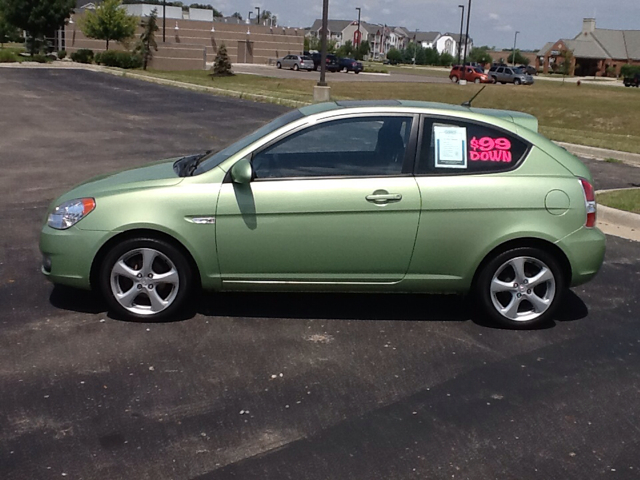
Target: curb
<point>618,222</point>
<point>601,153</point>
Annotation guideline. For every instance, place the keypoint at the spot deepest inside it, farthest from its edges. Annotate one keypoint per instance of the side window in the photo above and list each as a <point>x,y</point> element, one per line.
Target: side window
<point>501,70</point>
<point>365,146</point>
<point>457,146</point>
<point>508,71</point>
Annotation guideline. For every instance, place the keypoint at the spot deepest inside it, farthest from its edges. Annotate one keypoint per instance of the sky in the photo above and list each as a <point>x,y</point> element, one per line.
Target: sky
<point>493,22</point>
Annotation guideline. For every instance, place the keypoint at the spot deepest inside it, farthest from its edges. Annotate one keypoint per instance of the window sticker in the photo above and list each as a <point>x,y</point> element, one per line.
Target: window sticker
<point>487,149</point>
<point>450,146</point>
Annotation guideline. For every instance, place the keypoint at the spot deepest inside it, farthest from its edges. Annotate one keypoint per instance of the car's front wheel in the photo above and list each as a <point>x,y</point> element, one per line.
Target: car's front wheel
<point>477,80</point>
<point>278,65</point>
<point>145,279</point>
<point>296,67</point>
<point>520,288</point>
<point>517,81</point>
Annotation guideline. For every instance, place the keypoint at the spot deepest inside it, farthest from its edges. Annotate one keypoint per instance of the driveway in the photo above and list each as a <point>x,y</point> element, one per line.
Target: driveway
<point>280,386</point>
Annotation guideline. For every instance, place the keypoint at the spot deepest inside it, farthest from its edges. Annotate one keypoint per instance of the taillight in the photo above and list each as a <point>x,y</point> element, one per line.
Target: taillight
<point>590,200</point>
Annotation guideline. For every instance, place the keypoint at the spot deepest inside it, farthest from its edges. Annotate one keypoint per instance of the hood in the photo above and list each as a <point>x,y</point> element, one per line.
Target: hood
<point>154,175</point>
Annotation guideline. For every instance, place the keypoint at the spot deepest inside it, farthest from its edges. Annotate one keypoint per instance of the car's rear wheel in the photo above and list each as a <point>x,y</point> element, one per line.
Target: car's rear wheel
<point>520,288</point>
<point>278,65</point>
<point>296,67</point>
<point>454,79</point>
<point>517,81</point>
<point>494,80</point>
<point>145,279</point>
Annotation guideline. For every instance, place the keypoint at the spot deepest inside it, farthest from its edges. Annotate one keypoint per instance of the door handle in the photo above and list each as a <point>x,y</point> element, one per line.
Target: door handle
<point>376,197</point>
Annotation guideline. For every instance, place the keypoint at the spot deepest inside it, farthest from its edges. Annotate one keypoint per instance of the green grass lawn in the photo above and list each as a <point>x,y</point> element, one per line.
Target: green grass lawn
<point>628,199</point>
<point>593,115</point>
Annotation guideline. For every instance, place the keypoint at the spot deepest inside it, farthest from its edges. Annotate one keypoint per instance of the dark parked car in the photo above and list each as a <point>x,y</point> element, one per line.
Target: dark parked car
<point>332,62</point>
<point>529,69</point>
<point>632,81</point>
<point>350,65</point>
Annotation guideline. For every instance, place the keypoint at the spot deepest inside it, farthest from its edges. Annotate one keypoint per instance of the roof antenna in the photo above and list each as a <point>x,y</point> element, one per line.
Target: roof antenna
<point>468,102</point>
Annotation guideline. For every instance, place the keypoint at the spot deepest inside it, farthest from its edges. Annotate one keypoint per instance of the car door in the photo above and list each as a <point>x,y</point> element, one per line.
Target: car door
<point>333,203</point>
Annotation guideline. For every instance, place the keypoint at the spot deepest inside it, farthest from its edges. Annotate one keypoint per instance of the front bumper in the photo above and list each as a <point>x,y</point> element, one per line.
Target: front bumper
<point>68,254</point>
<point>585,250</point>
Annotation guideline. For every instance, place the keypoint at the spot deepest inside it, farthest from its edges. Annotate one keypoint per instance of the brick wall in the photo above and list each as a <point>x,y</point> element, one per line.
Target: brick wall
<point>193,43</point>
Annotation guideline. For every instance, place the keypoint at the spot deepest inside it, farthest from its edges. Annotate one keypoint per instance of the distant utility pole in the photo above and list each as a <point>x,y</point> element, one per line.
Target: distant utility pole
<point>358,35</point>
<point>466,41</point>
<point>460,38</point>
<point>258,17</point>
<point>164,18</point>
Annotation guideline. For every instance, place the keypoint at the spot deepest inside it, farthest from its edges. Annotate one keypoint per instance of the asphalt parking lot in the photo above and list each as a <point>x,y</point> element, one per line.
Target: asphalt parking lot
<point>282,386</point>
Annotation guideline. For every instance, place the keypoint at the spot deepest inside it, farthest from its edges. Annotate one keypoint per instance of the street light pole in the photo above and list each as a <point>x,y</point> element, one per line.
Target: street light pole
<point>359,9</point>
<point>513,58</point>
<point>460,38</point>
<point>164,18</point>
<point>258,18</point>
<point>323,48</point>
<point>466,40</point>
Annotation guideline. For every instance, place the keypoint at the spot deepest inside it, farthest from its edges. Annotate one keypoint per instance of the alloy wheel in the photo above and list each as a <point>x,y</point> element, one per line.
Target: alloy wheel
<point>523,289</point>
<point>144,281</point>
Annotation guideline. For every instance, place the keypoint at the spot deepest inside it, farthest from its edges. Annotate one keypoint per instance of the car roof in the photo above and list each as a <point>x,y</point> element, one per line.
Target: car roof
<point>520,118</point>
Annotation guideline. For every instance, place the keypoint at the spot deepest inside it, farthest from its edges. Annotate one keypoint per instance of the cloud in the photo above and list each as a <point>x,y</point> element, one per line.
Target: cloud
<point>494,16</point>
<point>386,11</point>
<point>502,28</point>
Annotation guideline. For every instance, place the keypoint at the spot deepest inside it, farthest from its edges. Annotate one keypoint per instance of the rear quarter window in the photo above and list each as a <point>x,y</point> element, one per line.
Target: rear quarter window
<point>453,147</point>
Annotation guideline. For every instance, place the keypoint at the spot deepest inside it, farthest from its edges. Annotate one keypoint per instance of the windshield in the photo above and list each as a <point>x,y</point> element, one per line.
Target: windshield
<point>215,159</point>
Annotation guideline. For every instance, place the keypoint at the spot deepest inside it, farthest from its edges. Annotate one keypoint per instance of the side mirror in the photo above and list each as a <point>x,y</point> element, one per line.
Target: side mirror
<point>242,171</point>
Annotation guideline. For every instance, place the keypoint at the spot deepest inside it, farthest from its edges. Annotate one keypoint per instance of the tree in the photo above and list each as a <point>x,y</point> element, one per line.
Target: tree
<point>265,16</point>
<point>148,38</point>
<point>480,55</point>
<point>446,59</point>
<point>8,33</point>
<point>363,49</point>
<point>222,64</point>
<point>38,17</point>
<point>519,58</point>
<point>565,66</point>
<point>237,15</point>
<point>394,55</point>
<point>347,50</point>
<point>109,22</point>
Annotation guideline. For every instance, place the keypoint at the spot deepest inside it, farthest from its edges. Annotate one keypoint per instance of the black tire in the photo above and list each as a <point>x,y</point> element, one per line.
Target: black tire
<point>516,81</point>
<point>526,314</point>
<point>175,295</point>
<point>295,67</point>
<point>278,65</point>
<point>494,80</point>
<point>356,72</point>
<point>477,80</point>
<point>454,79</point>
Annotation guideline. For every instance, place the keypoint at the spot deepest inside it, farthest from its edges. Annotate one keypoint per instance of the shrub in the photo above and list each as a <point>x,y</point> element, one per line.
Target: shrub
<point>40,58</point>
<point>7,56</point>
<point>62,54</point>
<point>83,55</point>
<point>629,70</point>
<point>114,58</point>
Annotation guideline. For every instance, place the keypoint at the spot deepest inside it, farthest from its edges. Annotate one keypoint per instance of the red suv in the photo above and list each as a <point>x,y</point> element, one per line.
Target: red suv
<point>471,74</point>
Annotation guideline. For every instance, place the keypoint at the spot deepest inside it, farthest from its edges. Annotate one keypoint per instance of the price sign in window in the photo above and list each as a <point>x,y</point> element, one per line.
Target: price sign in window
<point>450,146</point>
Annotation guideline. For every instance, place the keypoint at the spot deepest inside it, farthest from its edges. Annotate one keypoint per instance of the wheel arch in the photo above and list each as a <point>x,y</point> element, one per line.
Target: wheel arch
<point>140,232</point>
<point>532,242</point>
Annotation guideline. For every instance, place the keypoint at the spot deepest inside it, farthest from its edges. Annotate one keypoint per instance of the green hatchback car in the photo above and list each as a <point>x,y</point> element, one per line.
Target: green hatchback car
<point>387,196</point>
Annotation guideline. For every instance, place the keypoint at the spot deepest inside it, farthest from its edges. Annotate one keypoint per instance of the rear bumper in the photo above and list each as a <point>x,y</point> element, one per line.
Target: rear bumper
<point>585,250</point>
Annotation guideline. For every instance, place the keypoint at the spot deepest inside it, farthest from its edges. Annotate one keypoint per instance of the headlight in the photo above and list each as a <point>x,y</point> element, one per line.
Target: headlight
<point>69,213</point>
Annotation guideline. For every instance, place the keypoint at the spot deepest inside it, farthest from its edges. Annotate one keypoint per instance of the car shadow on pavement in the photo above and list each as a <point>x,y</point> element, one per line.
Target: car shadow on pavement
<point>332,306</point>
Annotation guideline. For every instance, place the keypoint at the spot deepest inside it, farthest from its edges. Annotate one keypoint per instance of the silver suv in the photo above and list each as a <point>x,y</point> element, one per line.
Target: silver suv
<point>515,75</point>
